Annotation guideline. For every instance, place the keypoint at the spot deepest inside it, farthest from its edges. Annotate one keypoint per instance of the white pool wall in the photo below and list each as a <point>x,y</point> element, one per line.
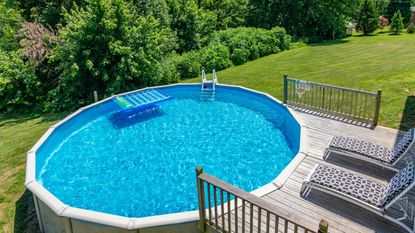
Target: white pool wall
<point>54,216</point>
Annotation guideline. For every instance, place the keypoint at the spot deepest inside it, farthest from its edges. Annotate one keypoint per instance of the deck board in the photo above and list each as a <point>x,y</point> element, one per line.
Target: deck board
<point>341,215</point>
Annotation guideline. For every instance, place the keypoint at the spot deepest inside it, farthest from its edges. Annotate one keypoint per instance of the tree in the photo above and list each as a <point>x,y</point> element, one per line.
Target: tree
<point>228,13</point>
<point>404,6</point>
<point>396,23</point>
<point>382,6</point>
<point>105,47</point>
<point>303,18</point>
<point>368,20</point>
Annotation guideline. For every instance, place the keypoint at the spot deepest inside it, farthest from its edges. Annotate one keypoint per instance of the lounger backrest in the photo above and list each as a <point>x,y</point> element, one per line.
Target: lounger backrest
<point>404,143</point>
<point>401,181</point>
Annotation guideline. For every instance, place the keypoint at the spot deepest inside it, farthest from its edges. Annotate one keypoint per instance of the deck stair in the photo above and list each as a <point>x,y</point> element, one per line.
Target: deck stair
<point>140,99</point>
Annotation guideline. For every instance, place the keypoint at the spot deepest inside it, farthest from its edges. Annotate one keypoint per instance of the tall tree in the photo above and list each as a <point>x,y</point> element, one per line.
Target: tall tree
<point>368,20</point>
<point>105,47</point>
<point>404,6</point>
<point>228,13</point>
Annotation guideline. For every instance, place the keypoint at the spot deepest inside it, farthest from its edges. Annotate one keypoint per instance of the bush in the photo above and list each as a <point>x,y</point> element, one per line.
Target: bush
<point>258,42</point>
<point>18,84</point>
<point>411,28</point>
<point>397,23</point>
<point>240,56</point>
<point>188,64</point>
<point>215,57</point>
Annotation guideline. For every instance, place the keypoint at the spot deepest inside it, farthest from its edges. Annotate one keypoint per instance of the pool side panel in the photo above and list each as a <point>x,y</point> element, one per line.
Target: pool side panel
<point>55,216</point>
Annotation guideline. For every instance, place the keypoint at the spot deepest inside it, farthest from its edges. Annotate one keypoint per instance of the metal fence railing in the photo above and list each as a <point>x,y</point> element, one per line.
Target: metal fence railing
<point>342,102</point>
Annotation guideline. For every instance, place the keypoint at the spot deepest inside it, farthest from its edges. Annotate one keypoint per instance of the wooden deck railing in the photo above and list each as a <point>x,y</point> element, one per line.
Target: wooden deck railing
<point>342,102</point>
<point>227,208</point>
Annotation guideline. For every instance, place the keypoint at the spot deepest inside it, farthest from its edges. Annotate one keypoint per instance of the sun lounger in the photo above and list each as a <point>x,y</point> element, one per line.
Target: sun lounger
<point>373,153</point>
<point>373,196</point>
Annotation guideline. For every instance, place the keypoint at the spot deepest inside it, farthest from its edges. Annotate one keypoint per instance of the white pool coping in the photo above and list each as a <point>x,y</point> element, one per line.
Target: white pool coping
<point>64,210</point>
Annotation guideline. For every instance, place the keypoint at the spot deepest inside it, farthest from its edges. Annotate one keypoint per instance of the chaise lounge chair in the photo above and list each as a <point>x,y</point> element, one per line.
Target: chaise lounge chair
<point>373,196</point>
<point>373,153</point>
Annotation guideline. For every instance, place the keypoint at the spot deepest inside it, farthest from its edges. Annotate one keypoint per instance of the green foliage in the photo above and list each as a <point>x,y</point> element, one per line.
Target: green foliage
<point>228,13</point>
<point>381,6</point>
<point>156,8</point>
<point>107,48</point>
<point>303,18</point>
<point>233,45</point>
<point>9,25</point>
<point>396,24</point>
<point>215,56</point>
<point>47,12</point>
<point>368,20</point>
<point>18,83</point>
<point>403,6</point>
<point>411,28</point>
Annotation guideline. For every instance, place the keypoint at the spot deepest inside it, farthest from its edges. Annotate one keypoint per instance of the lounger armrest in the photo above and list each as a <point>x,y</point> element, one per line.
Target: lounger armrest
<point>307,179</point>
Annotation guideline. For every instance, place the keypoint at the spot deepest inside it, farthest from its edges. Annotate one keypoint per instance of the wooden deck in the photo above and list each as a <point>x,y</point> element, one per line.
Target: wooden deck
<point>341,215</point>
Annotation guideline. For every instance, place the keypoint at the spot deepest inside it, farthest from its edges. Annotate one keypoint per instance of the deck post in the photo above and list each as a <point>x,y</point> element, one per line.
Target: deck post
<point>201,199</point>
<point>285,88</point>
<point>323,227</point>
<point>95,96</point>
<point>377,107</point>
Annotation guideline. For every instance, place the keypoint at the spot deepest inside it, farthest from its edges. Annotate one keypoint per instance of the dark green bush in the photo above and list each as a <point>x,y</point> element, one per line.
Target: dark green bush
<point>240,56</point>
<point>258,42</point>
<point>188,64</point>
<point>215,57</point>
<point>411,28</point>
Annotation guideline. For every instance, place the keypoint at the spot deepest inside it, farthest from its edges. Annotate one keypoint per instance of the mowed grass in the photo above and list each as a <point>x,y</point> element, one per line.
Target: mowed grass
<point>377,62</point>
<point>368,63</point>
<point>18,133</point>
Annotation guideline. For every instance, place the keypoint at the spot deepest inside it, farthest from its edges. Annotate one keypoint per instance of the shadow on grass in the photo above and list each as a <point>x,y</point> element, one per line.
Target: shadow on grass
<point>25,220</point>
<point>8,119</point>
<point>329,42</point>
<point>408,114</point>
<point>367,35</point>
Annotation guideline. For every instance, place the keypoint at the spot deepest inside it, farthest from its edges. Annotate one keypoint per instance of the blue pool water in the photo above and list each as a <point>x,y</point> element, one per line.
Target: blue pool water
<point>145,165</point>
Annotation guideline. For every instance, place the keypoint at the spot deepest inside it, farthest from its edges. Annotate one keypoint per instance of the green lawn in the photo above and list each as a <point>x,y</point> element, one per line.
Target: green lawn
<point>369,63</point>
<point>18,133</point>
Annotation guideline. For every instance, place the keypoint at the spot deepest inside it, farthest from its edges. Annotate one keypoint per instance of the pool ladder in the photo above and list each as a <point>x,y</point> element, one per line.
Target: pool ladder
<point>208,87</point>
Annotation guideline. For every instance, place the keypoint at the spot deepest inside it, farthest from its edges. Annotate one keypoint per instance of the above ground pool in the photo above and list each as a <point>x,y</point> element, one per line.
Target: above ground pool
<point>135,155</point>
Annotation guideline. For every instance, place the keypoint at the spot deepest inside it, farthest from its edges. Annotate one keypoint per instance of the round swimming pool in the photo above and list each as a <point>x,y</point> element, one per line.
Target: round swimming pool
<point>139,161</point>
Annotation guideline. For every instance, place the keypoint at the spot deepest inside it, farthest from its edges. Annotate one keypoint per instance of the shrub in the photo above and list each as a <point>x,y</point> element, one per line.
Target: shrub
<point>18,84</point>
<point>188,64</point>
<point>215,57</point>
<point>233,45</point>
<point>411,28</point>
<point>383,22</point>
<point>240,56</point>
<point>397,23</point>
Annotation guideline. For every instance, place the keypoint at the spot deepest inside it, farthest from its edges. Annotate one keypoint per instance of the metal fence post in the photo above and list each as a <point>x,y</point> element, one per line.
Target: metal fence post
<point>377,107</point>
<point>201,199</point>
<point>285,88</point>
